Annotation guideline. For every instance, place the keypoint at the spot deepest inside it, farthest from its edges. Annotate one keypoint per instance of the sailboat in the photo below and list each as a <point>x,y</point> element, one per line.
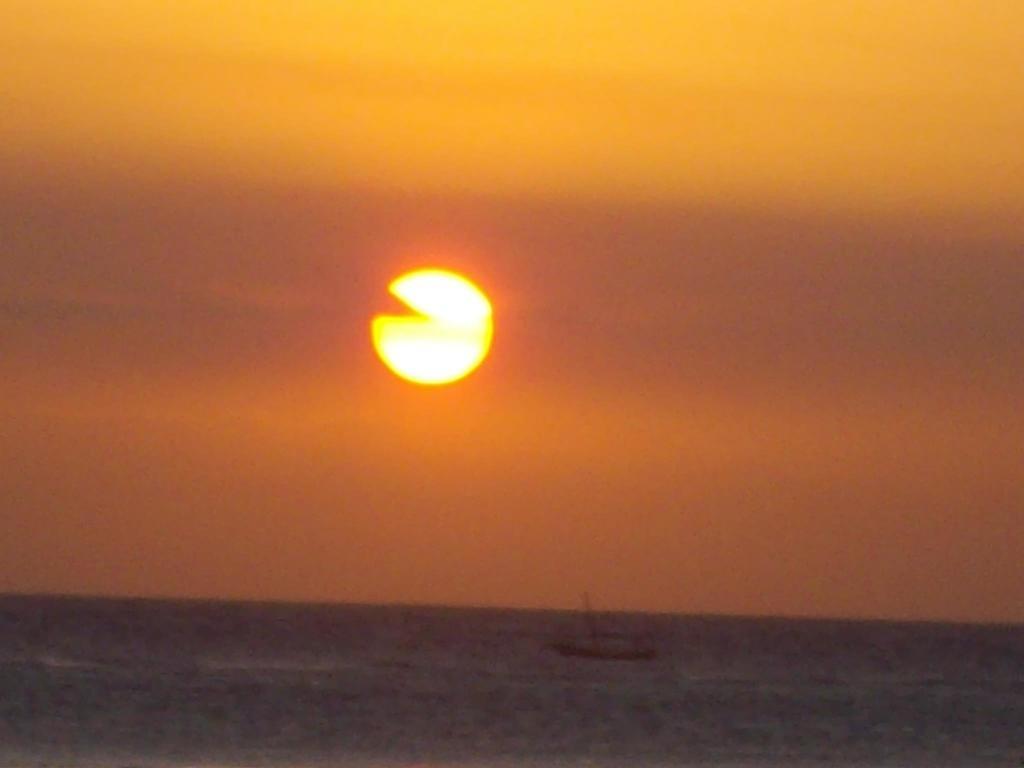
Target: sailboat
<point>602,644</point>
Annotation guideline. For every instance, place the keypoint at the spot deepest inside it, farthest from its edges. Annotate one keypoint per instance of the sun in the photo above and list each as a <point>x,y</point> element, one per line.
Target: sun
<point>447,336</point>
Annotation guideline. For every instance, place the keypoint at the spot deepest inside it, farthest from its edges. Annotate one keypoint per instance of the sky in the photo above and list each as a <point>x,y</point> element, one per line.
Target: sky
<point>757,274</point>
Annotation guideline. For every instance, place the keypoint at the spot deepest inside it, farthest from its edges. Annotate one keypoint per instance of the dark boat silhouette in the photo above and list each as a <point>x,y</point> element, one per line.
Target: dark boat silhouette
<point>604,645</point>
<point>600,649</point>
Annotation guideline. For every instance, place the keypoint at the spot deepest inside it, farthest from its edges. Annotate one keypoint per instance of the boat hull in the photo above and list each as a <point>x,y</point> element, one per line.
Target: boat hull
<point>606,654</point>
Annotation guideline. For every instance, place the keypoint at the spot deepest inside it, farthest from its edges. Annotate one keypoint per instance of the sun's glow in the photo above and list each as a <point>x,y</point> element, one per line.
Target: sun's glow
<point>446,338</point>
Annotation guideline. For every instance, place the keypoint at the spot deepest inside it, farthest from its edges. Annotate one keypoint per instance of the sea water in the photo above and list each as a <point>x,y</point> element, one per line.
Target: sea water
<point>87,682</point>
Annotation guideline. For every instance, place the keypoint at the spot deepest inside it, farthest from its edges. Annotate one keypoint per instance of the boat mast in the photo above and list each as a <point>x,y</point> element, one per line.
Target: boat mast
<point>589,614</point>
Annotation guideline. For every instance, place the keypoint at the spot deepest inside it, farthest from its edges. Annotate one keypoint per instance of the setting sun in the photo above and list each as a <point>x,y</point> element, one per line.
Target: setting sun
<point>448,336</point>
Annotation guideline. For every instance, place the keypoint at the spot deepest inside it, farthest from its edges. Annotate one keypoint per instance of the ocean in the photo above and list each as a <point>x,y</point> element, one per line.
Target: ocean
<point>98,682</point>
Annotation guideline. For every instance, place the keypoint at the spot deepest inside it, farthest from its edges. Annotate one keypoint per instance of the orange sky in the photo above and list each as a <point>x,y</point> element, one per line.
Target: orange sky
<point>756,276</point>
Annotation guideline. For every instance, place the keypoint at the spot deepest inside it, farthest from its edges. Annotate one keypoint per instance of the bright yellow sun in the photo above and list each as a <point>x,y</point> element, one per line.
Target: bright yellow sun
<point>448,335</point>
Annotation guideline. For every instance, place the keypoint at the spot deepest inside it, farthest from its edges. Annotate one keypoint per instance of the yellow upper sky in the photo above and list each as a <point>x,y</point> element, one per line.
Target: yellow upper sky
<point>864,105</point>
